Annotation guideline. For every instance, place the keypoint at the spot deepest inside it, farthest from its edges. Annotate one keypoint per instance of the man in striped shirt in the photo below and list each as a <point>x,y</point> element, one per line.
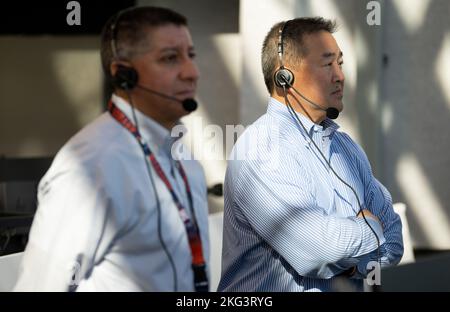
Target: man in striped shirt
<point>302,207</point>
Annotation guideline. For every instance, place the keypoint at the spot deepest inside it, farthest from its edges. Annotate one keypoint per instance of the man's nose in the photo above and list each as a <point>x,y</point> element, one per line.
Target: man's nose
<point>190,70</point>
<point>338,74</point>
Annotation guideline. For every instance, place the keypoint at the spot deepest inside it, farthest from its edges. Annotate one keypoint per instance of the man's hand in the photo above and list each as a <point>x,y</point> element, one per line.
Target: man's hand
<point>368,214</point>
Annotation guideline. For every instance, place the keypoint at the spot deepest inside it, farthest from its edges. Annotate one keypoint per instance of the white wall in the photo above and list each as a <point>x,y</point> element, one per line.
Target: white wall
<point>416,114</point>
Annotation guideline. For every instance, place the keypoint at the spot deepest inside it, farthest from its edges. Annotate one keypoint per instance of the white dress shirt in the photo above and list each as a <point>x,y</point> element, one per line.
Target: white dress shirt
<point>95,228</point>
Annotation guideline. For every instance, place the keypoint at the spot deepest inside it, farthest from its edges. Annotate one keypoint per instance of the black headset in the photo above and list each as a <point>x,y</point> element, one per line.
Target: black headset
<point>126,77</point>
<point>283,77</point>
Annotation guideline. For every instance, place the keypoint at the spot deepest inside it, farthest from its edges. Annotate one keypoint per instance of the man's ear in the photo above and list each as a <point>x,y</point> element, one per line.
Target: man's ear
<point>115,65</point>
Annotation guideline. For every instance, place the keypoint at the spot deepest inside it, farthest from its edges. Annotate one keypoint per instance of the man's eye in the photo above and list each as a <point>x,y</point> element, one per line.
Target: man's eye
<point>331,64</point>
<point>192,55</point>
<point>170,58</point>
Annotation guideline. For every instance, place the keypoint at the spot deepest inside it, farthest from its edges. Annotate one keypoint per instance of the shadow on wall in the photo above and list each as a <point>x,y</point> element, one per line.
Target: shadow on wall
<point>412,113</point>
<point>416,156</point>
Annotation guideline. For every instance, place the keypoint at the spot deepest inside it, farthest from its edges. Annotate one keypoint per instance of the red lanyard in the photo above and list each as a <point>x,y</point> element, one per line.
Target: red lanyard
<point>192,230</point>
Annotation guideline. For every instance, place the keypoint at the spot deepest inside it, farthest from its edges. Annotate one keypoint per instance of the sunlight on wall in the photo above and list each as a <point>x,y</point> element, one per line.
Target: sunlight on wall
<point>229,47</point>
<point>31,147</point>
<point>200,141</point>
<point>442,68</point>
<point>425,207</point>
<point>387,117</point>
<point>372,94</point>
<point>80,80</point>
<point>206,140</point>
<point>412,12</point>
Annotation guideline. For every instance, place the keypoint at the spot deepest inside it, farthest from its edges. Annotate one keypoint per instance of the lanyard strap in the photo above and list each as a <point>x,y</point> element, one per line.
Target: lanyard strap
<point>192,230</point>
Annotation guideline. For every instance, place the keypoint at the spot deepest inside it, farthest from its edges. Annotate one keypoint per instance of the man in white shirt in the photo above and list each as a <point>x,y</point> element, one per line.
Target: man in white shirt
<point>117,211</point>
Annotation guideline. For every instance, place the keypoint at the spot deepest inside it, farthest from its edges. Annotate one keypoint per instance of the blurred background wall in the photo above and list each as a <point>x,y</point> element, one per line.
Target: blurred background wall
<point>397,94</point>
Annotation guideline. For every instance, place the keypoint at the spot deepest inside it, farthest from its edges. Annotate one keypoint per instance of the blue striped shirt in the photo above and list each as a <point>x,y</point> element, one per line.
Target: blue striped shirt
<point>289,223</point>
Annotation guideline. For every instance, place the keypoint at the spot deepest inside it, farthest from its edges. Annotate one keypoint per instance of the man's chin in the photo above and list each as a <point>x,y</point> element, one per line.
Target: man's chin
<point>182,113</point>
<point>338,105</point>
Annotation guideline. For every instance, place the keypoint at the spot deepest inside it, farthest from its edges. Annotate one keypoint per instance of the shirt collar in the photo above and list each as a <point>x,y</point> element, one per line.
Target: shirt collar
<point>153,133</point>
<point>280,110</point>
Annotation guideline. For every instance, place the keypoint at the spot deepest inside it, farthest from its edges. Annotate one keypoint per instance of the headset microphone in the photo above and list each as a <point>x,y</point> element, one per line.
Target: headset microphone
<point>127,78</point>
<point>189,105</point>
<point>332,112</point>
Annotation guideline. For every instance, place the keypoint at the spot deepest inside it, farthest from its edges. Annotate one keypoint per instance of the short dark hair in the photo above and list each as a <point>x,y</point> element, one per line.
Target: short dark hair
<point>294,47</point>
<point>130,32</point>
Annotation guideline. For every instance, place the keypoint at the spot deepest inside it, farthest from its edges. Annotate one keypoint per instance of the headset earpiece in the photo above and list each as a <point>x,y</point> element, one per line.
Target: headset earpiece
<point>126,77</point>
<point>283,77</point>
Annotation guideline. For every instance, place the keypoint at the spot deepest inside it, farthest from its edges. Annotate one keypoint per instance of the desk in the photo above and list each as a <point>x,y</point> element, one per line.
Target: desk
<point>14,230</point>
<point>431,274</point>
